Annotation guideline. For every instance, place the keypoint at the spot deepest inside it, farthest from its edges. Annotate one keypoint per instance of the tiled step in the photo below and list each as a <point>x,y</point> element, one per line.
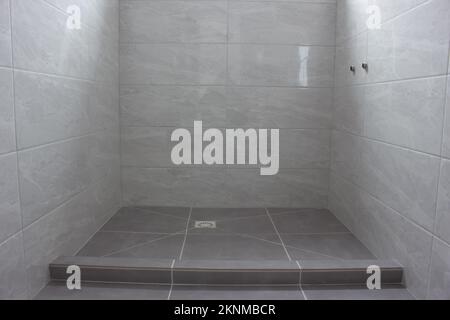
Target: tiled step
<point>145,271</point>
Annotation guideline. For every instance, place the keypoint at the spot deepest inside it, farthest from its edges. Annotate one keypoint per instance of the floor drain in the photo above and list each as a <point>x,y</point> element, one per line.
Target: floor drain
<point>205,224</point>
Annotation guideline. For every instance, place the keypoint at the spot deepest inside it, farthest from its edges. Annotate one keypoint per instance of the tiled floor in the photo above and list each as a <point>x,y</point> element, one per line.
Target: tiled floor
<point>240,234</point>
<point>58,291</point>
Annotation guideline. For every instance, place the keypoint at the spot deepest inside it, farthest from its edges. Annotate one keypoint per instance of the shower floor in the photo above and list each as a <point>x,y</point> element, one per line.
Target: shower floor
<point>198,253</point>
<point>228,234</point>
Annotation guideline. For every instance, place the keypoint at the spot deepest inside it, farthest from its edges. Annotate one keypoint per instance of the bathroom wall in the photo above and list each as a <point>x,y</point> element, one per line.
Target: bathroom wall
<point>231,64</point>
<point>59,134</point>
<point>390,171</point>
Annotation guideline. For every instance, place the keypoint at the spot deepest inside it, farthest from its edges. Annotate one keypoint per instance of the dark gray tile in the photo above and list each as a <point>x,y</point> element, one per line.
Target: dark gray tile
<point>227,213</point>
<point>116,270</point>
<point>235,293</point>
<point>325,247</point>
<point>164,248</point>
<point>228,272</point>
<point>346,272</point>
<point>141,220</point>
<point>307,221</point>
<point>247,225</point>
<point>98,291</point>
<point>180,212</point>
<point>233,247</point>
<point>355,293</point>
<point>287,210</point>
<point>235,277</point>
<point>104,243</point>
<point>248,265</point>
<point>123,263</point>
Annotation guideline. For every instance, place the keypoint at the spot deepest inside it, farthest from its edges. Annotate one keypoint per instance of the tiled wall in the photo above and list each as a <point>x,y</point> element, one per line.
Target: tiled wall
<point>231,64</point>
<point>390,171</point>
<point>59,134</point>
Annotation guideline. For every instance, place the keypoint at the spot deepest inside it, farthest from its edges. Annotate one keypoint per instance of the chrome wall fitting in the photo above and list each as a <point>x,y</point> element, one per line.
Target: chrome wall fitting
<point>352,69</point>
<point>365,66</point>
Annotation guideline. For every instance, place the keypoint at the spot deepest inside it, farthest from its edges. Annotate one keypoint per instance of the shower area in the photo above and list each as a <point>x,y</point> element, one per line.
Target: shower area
<point>92,90</point>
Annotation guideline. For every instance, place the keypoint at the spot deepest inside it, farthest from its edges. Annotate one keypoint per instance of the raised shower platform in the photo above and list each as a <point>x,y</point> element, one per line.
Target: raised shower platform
<point>223,247</point>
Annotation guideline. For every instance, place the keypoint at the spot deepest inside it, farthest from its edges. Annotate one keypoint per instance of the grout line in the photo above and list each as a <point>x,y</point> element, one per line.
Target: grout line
<point>223,43</point>
<point>393,81</point>
<point>300,280</point>
<point>231,85</point>
<point>171,279</point>
<point>279,236</point>
<point>332,106</point>
<point>185,235</point>
<point>65,77</point>
<point>65,140</point>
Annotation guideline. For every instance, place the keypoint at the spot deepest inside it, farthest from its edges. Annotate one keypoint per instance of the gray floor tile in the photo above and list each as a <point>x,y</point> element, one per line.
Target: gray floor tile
<point>325,246</point>
<point>235,293</point>
<point>355,293</point>
<point>98,291</point>
<point>233,247</point>
<point>141,220</point>
<point>165,248</point>
<point>227,213</point>
<point>180,212</point>
<point>307,221</point>
<point>287,210</point>
<point>247,225</point>
<point>104,243</point>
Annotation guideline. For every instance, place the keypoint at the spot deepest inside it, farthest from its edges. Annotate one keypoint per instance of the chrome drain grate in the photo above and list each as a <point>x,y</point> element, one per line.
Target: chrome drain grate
<point>205,224</point>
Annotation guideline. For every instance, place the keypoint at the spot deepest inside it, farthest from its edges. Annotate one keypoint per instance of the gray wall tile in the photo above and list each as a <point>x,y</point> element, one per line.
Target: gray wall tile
<point>349,109</point>
<point>440,264</point>
<point>288,108</point>
<point>407,113</point>
<point>240,71</point>
<point>150,147</point>
<point>282,23</point>
<point>7,126</point>
<point>173,64</point>
<point>52,108</point>
<point>446,143</point>
<point>13,279</point>
<point>177,106</point>
<point>68,134</point>
<point>5,34</point>
<point>264,65</point>
<point>219,106</point>
<point>413,45</point>
<point>10,218</point>
<point>351,18</point>
<point>386,233</point>
<point>64,231</point>
<point>224,187</point>
<point>384,181</point>
<point>53,174</point>
<point>173,21</point>
<point>442,224</point>
<point>40,45</point>
<point>403,179</point>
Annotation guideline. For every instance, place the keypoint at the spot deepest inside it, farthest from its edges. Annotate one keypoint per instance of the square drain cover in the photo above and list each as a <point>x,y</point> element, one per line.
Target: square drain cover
<point>205,224</point>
